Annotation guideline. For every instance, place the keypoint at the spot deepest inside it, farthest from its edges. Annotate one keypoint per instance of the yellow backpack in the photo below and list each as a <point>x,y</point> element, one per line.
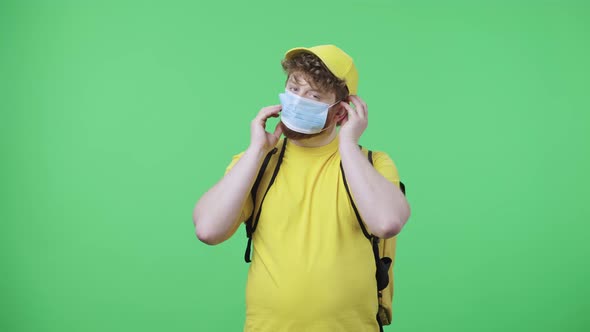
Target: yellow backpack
<point>387,249</point>
<point>383,249</point>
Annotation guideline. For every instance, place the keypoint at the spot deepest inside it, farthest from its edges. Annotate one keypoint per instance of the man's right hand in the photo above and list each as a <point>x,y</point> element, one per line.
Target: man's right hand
<point>259,137</point>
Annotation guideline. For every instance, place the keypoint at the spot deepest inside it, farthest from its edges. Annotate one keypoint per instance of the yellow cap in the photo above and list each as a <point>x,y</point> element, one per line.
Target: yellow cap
<point>337,61</point>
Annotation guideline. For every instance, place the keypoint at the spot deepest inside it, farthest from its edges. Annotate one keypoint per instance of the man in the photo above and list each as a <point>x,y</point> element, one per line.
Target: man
<point>312,268</point>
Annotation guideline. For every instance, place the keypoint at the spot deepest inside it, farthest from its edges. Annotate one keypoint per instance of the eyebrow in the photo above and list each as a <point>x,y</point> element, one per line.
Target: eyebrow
<point>297,82</point>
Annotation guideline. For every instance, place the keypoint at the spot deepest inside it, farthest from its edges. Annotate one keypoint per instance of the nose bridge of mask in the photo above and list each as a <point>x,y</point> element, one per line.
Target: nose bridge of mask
<point>307,103</point>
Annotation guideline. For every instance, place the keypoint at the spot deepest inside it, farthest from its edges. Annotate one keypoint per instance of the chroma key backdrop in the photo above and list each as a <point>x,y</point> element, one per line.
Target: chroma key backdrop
<point>116,116</point>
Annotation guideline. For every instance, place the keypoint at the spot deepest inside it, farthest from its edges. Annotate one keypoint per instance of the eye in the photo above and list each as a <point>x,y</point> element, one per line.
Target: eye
<point>293,88</point>
<point>316,97</point>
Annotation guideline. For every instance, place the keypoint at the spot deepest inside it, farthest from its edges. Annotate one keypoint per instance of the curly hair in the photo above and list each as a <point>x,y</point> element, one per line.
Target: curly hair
<point>312,67</point>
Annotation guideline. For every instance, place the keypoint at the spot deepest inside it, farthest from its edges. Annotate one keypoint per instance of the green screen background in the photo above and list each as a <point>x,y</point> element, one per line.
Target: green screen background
<point>117,115</point>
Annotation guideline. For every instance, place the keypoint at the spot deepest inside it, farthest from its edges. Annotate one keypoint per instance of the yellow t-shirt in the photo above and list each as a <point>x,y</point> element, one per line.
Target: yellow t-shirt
<point>312,268</point>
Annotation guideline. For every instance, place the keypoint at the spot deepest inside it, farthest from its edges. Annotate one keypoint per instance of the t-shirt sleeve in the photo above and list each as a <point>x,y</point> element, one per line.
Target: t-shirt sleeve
<point>386,167</point>
<point>247,208</point>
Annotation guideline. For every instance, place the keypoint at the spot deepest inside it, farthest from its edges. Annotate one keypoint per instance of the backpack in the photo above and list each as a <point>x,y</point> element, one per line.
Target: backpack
<point>383,249</point>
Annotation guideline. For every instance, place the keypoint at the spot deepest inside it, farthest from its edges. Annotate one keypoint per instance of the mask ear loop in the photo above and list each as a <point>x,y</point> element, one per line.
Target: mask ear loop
<point>328,110</point>
<point>336,103</point>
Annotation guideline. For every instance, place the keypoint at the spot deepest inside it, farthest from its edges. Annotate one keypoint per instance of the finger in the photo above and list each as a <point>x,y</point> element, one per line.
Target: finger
<point>357,105</point>
<point>361,101</point>
<point>352,111</point>
<point>267,112</point>
<point>365,107</point>
<point>344,120</point>
<point>278,130</point>
<point>360,106</point>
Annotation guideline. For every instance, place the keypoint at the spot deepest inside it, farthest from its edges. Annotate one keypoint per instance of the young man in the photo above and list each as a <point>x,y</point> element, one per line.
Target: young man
<point>312,268</point>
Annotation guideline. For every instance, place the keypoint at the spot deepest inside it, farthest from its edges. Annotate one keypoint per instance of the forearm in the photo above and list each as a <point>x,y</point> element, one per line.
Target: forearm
<point>216,214</point>
<point>382,205</point>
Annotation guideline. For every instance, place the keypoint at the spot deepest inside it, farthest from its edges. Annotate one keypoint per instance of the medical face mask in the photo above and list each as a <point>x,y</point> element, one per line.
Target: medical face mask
<point>303,115</point>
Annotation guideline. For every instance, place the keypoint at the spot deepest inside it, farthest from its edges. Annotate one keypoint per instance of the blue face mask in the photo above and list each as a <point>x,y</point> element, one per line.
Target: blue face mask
<point>303,115</point>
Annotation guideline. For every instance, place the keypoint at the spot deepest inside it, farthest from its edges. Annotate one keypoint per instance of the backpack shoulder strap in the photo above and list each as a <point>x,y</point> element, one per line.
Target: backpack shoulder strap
<point>382,263</point>
<point>356,212</point>
<point>354,208</point>
<point>252,221</point>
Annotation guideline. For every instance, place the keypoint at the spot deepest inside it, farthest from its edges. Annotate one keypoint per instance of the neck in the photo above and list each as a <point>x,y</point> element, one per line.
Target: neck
<point>325,138</point>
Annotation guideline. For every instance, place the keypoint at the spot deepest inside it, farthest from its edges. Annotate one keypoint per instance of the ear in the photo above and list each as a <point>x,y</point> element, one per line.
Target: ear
<point>342,110</point>
<point>340,113</point>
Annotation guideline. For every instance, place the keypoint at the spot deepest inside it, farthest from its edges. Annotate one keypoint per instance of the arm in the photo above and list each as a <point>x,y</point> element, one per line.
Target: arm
<point>381,203</point>
<point>216,215</point>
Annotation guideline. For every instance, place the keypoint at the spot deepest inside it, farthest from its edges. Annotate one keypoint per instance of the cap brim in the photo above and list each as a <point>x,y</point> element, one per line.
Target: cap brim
<point>296,50</point>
